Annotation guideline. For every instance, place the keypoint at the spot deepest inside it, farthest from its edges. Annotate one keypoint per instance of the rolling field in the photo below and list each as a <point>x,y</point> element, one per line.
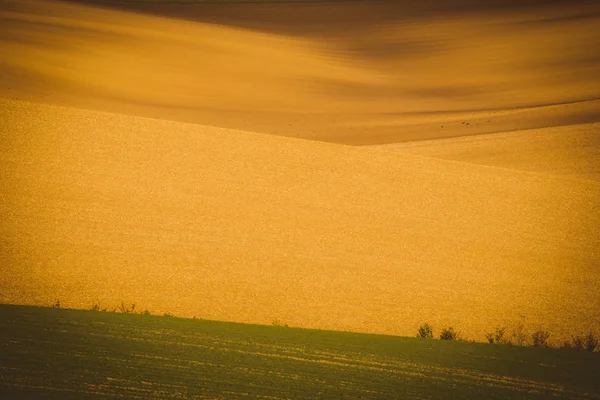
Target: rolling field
<point>250,227</point>
<point>570,151</point>
<point>66,354</point>
<point>359,166</point>
<point>369,72</point>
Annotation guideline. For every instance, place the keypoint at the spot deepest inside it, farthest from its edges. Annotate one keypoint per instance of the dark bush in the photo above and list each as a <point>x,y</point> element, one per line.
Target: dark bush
<point>577,343</point>
<point>540,338</point>
<point>518,336</point>
<point>590,342</point>
<point>425,332</point>
<point>448,334</point>
<point>496,337</point>
<point>127,310</point>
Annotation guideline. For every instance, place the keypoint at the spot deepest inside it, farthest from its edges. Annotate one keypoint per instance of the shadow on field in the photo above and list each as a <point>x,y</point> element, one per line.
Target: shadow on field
<point>325,18</point>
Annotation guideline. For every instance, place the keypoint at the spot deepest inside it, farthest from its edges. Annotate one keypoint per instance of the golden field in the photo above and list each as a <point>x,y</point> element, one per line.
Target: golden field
<point>156,154</point>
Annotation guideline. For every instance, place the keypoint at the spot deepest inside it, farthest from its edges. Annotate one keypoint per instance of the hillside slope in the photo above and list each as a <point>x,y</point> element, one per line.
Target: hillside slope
<point>367,72</point>
<point>572,150</point>
<point>229,225</point>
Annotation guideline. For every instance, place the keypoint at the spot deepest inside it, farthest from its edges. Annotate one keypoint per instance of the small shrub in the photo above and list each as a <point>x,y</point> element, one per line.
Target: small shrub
<point>497,336</point>
<point>448,334</point>
<point>577,343</point>
<point>425,332</point>
<point>587,343</point>
<point>540,338</point>
<point>566,345</point>
<point>590,342</point>
<point>518,336</point>
<point>127,310</point>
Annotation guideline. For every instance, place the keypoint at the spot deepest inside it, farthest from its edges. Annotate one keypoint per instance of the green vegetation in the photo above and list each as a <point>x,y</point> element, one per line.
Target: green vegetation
<point>125,309</point>
<point>71,354</point>
<point>497,336</point>
<point>448,334</point>
<point>425,332</point>
<point>518,336</point>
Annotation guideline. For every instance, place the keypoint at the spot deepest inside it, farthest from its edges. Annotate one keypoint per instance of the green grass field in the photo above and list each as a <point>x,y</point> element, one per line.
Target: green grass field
<point>68,354</point>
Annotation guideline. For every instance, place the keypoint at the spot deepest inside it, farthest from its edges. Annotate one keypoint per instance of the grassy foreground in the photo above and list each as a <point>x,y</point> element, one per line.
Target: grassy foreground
<point>71,354</point>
